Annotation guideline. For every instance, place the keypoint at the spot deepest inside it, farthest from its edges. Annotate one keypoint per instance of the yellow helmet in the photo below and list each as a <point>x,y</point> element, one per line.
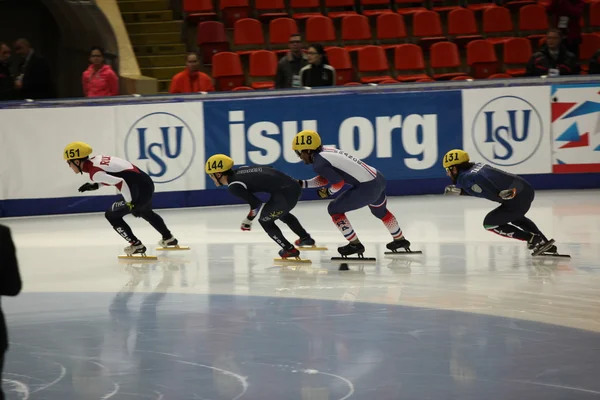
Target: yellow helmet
<point>455,157</point>
<point>218,163</point>
<point>77,150</point>
<point>306,140</point>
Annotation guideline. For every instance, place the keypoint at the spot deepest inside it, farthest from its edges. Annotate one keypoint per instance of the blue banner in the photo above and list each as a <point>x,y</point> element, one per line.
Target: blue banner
<point>403,135</point>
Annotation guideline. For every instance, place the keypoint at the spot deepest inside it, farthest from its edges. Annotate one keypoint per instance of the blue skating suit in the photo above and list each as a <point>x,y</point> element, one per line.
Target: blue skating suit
<point>487,182</point>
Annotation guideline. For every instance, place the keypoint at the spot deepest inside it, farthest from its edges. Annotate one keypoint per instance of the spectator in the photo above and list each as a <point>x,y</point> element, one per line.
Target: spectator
<point>553,59</point>
<point>7,82</point>
<point>318,72</point>
<point>567,14</point>
<point>191,80</point>
<point>99,79</point>
<point>595,63</point>
<point>288,70</point>
<point>10,285</point>
<point>34,80</point>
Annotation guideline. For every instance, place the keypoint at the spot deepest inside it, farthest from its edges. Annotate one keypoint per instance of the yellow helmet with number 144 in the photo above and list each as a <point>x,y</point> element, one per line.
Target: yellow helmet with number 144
<point>306,140</point>
<point>76,150</point>
<point>218,163</point>
<point>455,157</point>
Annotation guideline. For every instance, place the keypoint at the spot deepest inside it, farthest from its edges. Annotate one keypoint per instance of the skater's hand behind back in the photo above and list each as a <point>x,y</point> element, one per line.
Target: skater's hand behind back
<point>88,186</point>
<point>323,193</point>
<point>508,194</point>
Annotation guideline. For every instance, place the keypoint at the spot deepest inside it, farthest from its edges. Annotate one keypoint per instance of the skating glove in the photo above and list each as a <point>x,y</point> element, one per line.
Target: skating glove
<point>324,193</point>
<point>88,186</point>
<point>508,194</point>
<point>246,225</point>
<point>452,190</point>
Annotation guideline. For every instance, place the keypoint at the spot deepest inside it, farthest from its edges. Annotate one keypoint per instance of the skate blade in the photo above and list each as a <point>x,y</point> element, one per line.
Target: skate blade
<point>292,261</point>
<point>543,249</point>
<point>138,257</point>
<point>553,255</point>
<point>172,248</point>
<point>354,259</point>
<point>311,248</point>
<point>401,253</point>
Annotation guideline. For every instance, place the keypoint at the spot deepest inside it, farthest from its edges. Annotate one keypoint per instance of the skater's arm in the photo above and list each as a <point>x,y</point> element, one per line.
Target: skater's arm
<point>316,182</point>
<point>325,169</point>
<point>239,189</point>
<point>10,279</point>
<point>111,180</point>
<point>476,184</point>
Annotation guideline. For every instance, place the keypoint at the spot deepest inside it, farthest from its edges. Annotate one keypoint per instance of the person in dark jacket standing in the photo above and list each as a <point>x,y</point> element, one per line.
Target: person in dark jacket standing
<point>35,79</point>
<point>7,82</point>
<point>566,15</point>
<point>553,59</point>
<point>10,285</point>
<point>288,69</point>
<point>318,72</point>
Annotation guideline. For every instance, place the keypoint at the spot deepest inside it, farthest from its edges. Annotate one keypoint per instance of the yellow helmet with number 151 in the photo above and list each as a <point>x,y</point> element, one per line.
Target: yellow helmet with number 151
<point>76,150</point>
<point>306,140</point>
<point>455,157</point>
<point>218,163</point>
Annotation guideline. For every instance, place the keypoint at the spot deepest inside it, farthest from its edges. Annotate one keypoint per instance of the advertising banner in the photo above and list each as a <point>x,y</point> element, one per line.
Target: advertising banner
<point>508,128</point>
<point>166,141</point>
<point>404,135</point>
<point>32,143</point>
<point>576,129</point>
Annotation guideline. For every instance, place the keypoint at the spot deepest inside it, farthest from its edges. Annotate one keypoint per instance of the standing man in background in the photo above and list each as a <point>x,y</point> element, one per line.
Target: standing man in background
<point>7,82</point>
<point>288,69</point>
<point>10,285</point>
<point>35,79</point>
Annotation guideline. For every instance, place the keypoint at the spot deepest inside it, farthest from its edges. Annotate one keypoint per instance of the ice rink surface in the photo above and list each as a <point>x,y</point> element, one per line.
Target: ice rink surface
<point>474,317</point>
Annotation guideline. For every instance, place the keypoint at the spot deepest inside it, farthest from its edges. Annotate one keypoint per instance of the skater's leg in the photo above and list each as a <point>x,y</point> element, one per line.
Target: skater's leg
<point>527,225</point>
<point>115,216</point>
<point>1,368</point>
<point>157,222</point>
<point>379,210</point>
<point>274,209</point>
<point>498,222</point>
<point>290,220</point>
<point>352,199</point>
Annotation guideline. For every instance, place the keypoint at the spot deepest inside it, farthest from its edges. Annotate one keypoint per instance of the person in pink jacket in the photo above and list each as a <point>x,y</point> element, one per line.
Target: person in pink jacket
<point>99,79</point>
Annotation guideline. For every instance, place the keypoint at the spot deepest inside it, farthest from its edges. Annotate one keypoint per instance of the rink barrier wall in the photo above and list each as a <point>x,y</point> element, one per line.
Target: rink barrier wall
<point>550,133</point>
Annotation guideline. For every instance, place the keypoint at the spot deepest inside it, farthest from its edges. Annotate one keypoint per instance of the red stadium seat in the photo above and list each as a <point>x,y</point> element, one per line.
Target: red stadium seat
<point>409,63</point>
<point>227,71</point>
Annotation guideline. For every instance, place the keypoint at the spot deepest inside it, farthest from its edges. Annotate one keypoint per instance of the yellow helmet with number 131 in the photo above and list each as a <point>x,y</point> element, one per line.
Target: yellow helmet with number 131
<point>455,157</point>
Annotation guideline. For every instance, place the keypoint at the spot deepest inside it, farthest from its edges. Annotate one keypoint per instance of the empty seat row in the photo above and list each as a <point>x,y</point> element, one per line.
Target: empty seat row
<point>373,67</point>
<point>233,10</point>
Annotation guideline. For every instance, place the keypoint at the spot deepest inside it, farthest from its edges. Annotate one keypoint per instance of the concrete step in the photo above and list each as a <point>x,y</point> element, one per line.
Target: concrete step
<point>144,5</point>
<point>147,16</point>
<point>154,27</point>
<point>164,85</point>
<point>155,38</point>
<point>162,61</point>
<point>159,49</point>
<point>162,73</point>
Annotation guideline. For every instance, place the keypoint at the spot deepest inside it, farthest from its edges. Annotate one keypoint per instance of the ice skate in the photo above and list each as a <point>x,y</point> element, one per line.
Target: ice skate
<point>170,244</point>
<point>136,251</point>
<point>308,243</point>
<point>291,255</point>
<point>350,249</point>
<point>539,245</point>
<point>551,251</point>
<point>401,243</point>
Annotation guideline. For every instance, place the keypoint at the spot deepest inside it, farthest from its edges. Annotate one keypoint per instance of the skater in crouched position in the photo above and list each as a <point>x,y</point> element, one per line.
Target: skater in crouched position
<point>337,168</point>
<point>135,186</point>
<point>284,192</point>
<point>514,194</point>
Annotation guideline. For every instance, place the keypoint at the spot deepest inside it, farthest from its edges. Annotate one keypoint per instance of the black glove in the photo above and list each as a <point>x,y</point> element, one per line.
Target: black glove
<point>324,193</point>
<point>301,183</point>
<point>88,186</point>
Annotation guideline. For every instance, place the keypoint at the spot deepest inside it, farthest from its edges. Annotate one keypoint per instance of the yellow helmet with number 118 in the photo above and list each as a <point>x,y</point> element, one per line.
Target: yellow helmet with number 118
<point>455,157</point>
<point>218,163</point>
<point>76,150</point>
<point>306,140</point>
